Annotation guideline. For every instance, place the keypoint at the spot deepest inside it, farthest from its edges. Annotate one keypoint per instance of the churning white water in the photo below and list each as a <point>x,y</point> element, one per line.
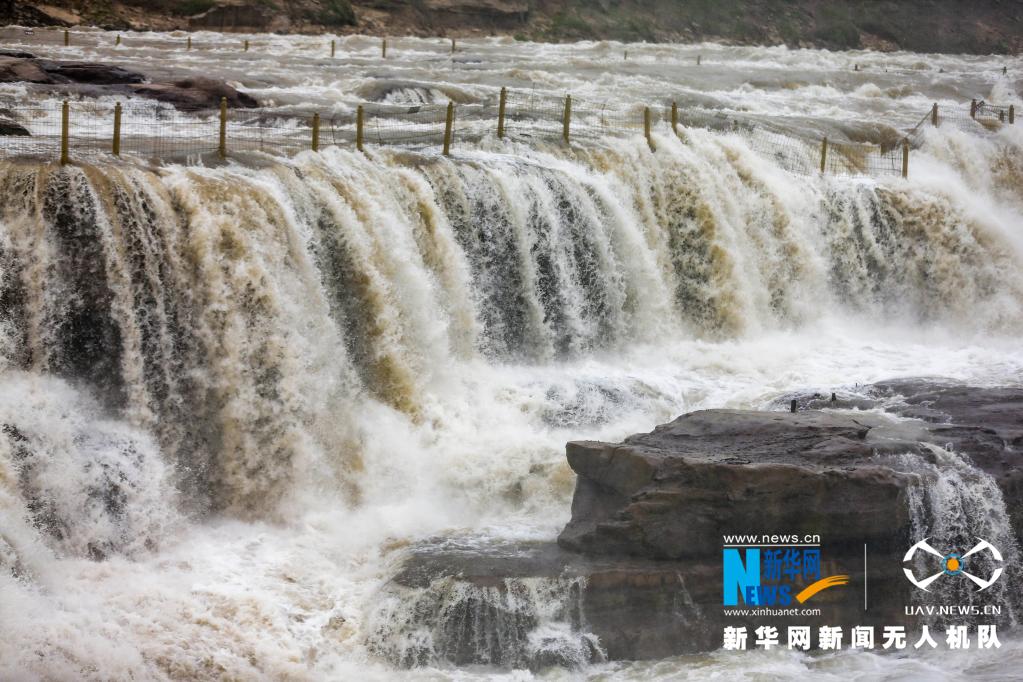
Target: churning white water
<point>231,396</point>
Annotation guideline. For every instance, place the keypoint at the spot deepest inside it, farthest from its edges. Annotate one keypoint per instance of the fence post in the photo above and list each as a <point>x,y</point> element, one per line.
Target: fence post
<point>64,125</point>
<point>973,109</point>
<point>934,114</point>
<point>502,103</point>
<point>566,120</point>
<point>333,48</point>
<point>316,132</point>
<point>646,128</point>
<point>674,117</point>
<point>905,158</point>
<point>448,125</point>
<point>222,148</point>
<point>452,46</point>
<point>67,37</point>
<point>824,153</point>
<point>1001,116</point>
<point>697,60</point>
<point>189,43</point>
<point>383,49</point>
<point>117,41</point>
<point>117,130</point>
<point>358,128</point>
<point>1012,114</point>
<point>246,45</point>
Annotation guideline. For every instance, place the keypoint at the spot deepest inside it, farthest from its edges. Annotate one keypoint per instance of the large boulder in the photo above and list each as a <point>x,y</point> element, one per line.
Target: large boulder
<point>672,493</point>
<point>638,572</point>
<point>196,93</point>
<point>17,69</point>
<point>94,80</point>
<point>90,72</point>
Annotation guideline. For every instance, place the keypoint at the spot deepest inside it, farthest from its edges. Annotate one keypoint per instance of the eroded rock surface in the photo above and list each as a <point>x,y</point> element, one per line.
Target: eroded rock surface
<point>96,80</point>
<point>637,572</point>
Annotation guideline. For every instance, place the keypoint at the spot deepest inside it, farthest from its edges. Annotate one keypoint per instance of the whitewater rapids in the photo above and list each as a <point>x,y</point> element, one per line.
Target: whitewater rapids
<point>231,395</point>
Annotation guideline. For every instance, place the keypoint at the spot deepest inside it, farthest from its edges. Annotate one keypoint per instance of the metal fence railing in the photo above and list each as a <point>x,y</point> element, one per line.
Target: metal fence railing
<point>88,129</point>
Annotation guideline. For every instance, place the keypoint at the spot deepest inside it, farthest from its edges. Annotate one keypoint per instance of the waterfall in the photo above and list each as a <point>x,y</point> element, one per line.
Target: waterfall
<point>343,350</point>
<point>955,507</point>
<point>519,623</point>
<point>240,313</point>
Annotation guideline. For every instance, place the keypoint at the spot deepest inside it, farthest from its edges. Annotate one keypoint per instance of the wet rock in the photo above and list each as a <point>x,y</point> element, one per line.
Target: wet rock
<point>672,493</point>
<point>96,80</point>
<point>12,128</point>
<point>17,54</point>
<point>88,72</point>
<point>986,424</point>
<point>528,605</point>
<point>581,608</point>
<point>637,572</point>
<point>669,493</point>
<point>16,70</point>
<point>196,93</point>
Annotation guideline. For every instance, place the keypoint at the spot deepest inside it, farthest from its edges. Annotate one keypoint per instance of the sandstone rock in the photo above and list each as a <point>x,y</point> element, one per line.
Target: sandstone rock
<point>196,93</point>
<point>483,603</point>
<point>88,72</point>
<point>672,493</point>
<point>15,69</point>
<point>637,572</point>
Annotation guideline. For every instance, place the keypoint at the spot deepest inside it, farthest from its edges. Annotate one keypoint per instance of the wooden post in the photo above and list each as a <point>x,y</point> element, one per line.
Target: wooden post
<point>824,154</point>
<point>697,60</point>
<point>792,406</point>
<point>117,130</point>
<point>1001,116</point>
<point>625,56</point>
<point>246,45</point>
<point>117,41</point>
<point>502,103</point>
<point>316,132</point>
<point>566,119</point>
<point>383,49</point>
<point>448,125</point>
<point>646,128</point>
<point>674,117</point>
<point>67,37</point>
<point>189,43</point>
<point>905,158</point>
<point>222,148</point>
<point>1012,114</point>
<point>934,114</point>
<point>64,125</point>
<point>358,128</point>
<point>973,109</point>
<point>452,46</point>
<point>333,48</point>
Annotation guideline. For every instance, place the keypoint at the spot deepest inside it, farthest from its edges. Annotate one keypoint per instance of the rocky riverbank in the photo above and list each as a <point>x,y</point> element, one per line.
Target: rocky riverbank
<point>90,79</point>
<point>637,572</point>
<point>989,26</point>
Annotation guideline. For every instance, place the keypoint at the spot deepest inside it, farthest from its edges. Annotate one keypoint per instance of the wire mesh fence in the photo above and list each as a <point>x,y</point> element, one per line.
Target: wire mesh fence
<point>158,131</point>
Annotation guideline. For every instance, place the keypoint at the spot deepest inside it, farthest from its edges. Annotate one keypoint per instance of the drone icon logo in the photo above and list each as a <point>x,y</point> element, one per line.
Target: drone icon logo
<point>952,564</point>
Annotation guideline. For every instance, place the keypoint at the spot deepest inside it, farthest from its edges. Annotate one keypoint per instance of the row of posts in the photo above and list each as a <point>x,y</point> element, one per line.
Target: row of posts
<point>245,44</point>
<point>360,120</point>
<point>449,120</point>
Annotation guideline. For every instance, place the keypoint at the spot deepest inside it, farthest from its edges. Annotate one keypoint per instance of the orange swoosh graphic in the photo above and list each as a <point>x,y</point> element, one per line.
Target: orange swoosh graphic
<point>822,584</point>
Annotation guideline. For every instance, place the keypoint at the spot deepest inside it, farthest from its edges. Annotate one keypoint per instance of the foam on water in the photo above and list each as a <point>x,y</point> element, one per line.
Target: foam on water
<point>232,395</point>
